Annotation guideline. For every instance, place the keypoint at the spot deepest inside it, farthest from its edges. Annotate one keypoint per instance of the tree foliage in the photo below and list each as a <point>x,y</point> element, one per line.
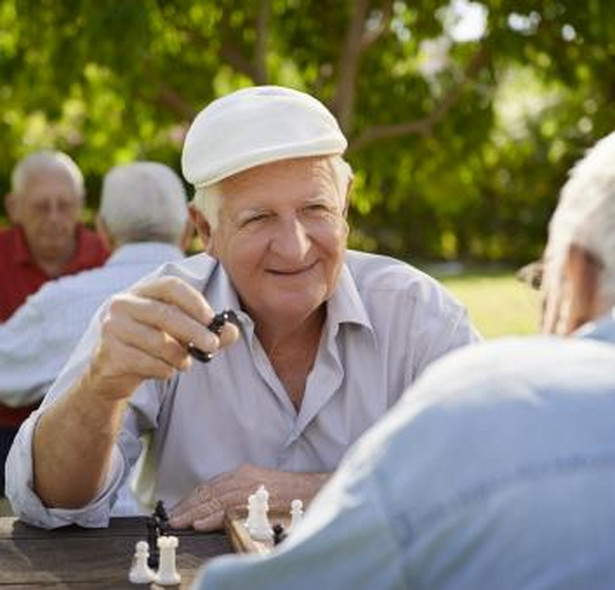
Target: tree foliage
<point>459,145</point>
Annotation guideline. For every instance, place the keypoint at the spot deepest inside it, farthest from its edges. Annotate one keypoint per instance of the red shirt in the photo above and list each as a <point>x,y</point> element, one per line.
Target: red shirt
<point>20,276</point>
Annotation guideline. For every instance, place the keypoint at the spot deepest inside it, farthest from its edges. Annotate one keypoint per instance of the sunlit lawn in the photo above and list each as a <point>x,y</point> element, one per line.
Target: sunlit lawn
<point>498,303</point>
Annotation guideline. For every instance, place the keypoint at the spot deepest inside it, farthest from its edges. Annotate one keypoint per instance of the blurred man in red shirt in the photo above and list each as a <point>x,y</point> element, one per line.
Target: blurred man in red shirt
<point>46,241</point>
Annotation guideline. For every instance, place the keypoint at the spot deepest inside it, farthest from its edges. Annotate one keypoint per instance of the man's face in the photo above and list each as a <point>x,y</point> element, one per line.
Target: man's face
<point>48,210</point>
<point>282,237</point>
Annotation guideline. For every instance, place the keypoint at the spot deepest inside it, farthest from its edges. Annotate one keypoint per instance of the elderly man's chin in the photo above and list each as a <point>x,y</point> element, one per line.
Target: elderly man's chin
<point>55,245</point>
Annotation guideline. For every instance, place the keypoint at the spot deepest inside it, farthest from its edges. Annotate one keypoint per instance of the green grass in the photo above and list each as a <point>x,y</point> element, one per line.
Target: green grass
<point>498,303</point>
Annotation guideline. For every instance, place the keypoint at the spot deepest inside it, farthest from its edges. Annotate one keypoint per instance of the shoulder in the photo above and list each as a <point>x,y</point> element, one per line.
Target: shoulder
<point>8,236</point>
<point>502,368</point>
<point>195,270</point>
<point>382,280</point>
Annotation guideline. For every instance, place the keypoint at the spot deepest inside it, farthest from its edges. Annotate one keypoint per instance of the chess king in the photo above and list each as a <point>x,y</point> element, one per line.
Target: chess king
<point>326,338</point>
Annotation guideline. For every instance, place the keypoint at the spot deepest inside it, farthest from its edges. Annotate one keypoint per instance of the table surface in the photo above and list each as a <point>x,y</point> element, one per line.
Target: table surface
<point>74,557</point>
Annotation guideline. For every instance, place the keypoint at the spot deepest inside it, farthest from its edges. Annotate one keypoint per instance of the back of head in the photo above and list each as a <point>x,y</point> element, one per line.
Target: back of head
<point>585,214</point>
<point>42,161</point>
<point>144,202</point>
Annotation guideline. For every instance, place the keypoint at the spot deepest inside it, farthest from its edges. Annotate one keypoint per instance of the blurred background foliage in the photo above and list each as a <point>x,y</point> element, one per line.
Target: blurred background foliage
<point>462,117</point>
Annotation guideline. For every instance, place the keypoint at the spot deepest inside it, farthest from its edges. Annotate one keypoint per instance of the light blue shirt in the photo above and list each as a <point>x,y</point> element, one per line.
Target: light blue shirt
<point>39,337</point>
<point>386,321</point>
<point>496,471</point>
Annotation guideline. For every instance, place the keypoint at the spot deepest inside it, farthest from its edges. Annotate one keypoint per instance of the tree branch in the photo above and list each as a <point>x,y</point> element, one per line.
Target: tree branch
<point>348,65</point>
<point>425,125</point>
<point>262,36</point>
<point>230,53</point>
<point>370,37</point>
<point>171,99</point>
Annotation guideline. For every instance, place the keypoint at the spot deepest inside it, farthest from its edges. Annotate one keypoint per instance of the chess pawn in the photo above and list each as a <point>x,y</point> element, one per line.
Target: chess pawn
<point>251,510</point>
<point>260,528</point>
<point>296,514</point>
<point>167,572</point>
<point>140,572</point>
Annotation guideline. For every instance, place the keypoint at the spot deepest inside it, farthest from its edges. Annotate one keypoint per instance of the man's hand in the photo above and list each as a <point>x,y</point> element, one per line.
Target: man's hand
<point>205,507</point>
<point>146,332</point>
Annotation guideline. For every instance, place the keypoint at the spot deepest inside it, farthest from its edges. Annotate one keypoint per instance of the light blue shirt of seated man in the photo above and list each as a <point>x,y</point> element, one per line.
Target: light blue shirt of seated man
<point>497,469</point>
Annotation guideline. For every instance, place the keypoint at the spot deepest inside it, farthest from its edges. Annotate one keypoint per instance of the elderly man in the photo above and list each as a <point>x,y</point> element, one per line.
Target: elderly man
<point>497,470</point>
<point>47,241</point>
<point>143,219</point>
<point>327,339</point>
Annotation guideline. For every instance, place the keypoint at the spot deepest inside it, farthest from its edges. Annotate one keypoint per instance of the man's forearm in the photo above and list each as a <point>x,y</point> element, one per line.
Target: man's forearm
<point>72,446</point>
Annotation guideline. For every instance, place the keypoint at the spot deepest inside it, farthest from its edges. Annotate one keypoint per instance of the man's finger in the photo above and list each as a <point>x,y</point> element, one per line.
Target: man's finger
<point>150,341</point>
<point>166,317</point>
<point>214,522</point>
<point>175,291</point>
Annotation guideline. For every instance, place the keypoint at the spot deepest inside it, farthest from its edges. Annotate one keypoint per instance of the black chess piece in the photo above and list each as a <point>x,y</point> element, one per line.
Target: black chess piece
<point>161,517</point>
<point>152,542</point>
<point>279,534</point>
<point>216,325</point>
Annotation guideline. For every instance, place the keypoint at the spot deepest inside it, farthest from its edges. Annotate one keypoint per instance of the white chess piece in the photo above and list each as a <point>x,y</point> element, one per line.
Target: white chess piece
<point>260,528</point>
<point>296,514</point>
<point>167,571</point>
<point>140,572</point>
<point>251,511</point>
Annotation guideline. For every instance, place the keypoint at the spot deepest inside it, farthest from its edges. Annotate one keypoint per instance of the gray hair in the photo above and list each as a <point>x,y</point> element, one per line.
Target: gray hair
<point>585,214</point>
<point>144,202</point>
<point>207,199</point>
<point>46,160</point>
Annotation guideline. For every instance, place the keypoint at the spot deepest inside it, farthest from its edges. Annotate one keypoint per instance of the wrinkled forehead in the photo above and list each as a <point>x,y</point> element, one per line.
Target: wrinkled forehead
<point>49,182</point>
<point>309,176</point>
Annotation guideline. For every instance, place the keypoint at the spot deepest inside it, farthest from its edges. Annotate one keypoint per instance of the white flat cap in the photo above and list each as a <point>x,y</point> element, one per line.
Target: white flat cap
<point>257,126</point>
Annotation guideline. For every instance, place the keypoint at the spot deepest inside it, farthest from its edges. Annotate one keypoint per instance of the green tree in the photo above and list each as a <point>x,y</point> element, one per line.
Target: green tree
<point>459,142</point>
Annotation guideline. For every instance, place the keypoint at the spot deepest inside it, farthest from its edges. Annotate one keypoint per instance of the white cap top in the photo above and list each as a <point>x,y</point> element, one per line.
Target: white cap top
<point>256,126</point>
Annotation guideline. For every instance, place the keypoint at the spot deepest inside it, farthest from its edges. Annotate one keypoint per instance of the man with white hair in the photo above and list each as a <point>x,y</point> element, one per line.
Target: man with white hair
<point>327,338</point>
<point>497,469</point>
<point>46,241</point>
<point>143,219</point>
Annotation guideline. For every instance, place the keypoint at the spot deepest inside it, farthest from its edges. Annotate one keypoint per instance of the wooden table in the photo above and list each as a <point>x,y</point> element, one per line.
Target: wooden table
<point>73,557</point>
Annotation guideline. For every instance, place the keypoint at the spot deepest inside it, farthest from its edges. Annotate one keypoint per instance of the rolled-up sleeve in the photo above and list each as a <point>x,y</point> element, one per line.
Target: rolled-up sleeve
<point>28,506</point>
<point>19,470</point>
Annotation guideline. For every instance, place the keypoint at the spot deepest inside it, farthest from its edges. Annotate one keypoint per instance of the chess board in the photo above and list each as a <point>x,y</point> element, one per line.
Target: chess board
<point>239,536</point>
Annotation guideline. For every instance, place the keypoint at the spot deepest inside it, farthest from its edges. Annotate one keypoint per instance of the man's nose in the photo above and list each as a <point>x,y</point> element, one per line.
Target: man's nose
<point>55,211</point>
<point>292,240</point>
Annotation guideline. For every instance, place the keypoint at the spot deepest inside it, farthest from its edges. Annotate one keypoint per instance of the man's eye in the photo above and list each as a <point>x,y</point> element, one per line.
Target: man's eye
<point>317,207</point>
<point>254,219</point>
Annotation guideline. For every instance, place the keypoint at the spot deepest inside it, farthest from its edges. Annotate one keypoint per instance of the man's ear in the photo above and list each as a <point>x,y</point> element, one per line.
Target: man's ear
<point>104,234</point>
<point>185,242</point>
<point>203,228</point>
<point>582,271</point>
<point>347,197</point>
<point>10,204</point>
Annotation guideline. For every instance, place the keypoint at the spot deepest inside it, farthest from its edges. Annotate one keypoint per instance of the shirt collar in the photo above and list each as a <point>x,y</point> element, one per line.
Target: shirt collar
<point>345,305</point>
<point>145,252</point>
<point>19,246</point>
<point>82,258</point>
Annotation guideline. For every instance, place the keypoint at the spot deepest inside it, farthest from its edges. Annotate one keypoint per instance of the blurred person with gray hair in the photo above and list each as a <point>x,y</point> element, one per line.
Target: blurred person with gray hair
<point>326,338</point>
<point>46,240</point>
<point>497,469</point>
<point>143,219</point>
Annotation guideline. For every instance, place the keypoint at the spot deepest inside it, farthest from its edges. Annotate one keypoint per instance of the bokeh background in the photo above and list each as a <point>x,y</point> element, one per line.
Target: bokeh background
<point>462,117</point>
